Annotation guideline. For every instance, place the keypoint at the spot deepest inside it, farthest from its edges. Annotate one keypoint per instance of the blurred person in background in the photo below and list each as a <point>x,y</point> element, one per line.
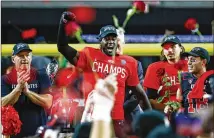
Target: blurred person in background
<point>207,117</point>
<point>40,62</point>
<point>163,131</point>
<point>104,62</point>
<point>145,122</point>
<point>161,79</point>
<point>103,102</point>
<point>23,88</point>
<point>6,63</point>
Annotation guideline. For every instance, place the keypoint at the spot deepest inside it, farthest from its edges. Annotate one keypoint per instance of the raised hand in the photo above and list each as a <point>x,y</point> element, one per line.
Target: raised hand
<point>68,16</point>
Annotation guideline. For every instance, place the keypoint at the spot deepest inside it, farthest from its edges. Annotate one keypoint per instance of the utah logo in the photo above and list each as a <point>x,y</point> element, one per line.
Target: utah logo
<point>190,81</point>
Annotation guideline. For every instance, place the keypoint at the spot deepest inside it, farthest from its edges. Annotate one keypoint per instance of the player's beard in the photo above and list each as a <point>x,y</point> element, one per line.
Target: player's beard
<point>173,57</point>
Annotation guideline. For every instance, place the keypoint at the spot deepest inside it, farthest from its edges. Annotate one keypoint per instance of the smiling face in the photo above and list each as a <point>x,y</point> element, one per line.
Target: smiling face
<point>196,64</point>
<point>22,60</point>
<point>172,51</point>
<point>109,44</point>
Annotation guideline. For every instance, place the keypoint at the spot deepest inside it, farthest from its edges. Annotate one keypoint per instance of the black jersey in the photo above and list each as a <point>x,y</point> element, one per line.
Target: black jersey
<point>188,81</point>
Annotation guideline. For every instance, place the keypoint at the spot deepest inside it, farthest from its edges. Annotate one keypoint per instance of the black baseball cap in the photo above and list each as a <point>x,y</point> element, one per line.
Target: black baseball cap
<point>142,129</point>
<point>106,30</point>
<point>20,47</point>
<point>171,39</point>
<point>198,52</point>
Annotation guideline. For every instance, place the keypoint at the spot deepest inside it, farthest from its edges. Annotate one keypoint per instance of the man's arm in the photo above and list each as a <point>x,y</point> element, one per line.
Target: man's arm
<point>103,98</point>
<point>68,52</point>
<point>12,97</point>
<point>153,95</point>
<point>101,129</point>
<point>141,94</point>
<point>44,100</point>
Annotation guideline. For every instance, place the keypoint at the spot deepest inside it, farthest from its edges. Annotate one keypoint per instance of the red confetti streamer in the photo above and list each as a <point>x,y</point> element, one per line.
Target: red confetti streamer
<point>84,14</point>
<point>31,33</point>
<point>190,24</point>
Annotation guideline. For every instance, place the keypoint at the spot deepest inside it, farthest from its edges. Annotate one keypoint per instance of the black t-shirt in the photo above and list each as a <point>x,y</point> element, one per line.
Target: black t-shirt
<point>31,115</point>
<point>188,81</point>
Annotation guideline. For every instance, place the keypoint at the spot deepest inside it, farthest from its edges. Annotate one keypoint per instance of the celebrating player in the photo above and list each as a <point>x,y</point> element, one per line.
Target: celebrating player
<point>197,85</point>
<point>101,62</point>
<point>165,72</point>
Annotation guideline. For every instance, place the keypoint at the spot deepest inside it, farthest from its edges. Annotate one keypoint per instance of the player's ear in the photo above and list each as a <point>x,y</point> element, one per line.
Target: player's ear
<point>12,59</point>
<point>204,62</point>
<point>182,49</point>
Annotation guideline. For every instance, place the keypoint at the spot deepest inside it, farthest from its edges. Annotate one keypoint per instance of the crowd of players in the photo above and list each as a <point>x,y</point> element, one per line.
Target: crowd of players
<point>175,99</point>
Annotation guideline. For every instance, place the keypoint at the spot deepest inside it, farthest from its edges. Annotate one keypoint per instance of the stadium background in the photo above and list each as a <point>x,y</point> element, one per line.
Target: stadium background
<point>143,31</point>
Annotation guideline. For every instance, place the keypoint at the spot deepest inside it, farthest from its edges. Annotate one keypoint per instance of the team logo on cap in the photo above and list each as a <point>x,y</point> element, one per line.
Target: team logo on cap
<point>109,28</point>
<point>169,38</point>
<point>196,49</point>
<point>20,46</point>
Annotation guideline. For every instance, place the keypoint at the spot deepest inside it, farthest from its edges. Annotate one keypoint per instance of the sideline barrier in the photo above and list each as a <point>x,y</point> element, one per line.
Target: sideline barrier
<point>138,38</point>
<point>144,49</point>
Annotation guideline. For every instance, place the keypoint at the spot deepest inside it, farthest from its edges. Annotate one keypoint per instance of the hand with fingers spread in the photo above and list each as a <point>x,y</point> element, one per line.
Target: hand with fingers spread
<point>103,97</point>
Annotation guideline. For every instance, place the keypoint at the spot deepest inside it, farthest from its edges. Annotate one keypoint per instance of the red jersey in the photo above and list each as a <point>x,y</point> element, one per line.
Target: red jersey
<point>155,77</point>
<point>95,64</point>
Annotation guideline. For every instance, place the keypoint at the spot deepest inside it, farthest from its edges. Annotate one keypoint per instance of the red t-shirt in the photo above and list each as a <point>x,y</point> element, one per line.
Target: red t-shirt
<point>158,70</point>
<point>95,64</point>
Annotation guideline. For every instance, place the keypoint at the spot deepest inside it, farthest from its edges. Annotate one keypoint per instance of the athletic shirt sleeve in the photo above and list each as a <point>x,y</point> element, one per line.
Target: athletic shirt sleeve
<point>5,89</point>
<point>151,78</point>
<point>44,80</point>
<point>82,60</point>
<point>133,79</point>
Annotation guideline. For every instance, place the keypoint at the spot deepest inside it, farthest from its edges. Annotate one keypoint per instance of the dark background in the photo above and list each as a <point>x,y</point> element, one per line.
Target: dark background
<point>46,20</point>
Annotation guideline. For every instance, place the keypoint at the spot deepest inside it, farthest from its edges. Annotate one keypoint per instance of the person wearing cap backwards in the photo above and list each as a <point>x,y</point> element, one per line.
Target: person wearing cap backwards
<point>197,85</point>
<point>101,62</point>
<point>169,66</point>
<point>23,88</point>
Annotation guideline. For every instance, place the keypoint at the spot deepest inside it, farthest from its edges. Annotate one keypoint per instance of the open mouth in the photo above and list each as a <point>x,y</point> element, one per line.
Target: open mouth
<point>110,47</point>
<point>24,62</point>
